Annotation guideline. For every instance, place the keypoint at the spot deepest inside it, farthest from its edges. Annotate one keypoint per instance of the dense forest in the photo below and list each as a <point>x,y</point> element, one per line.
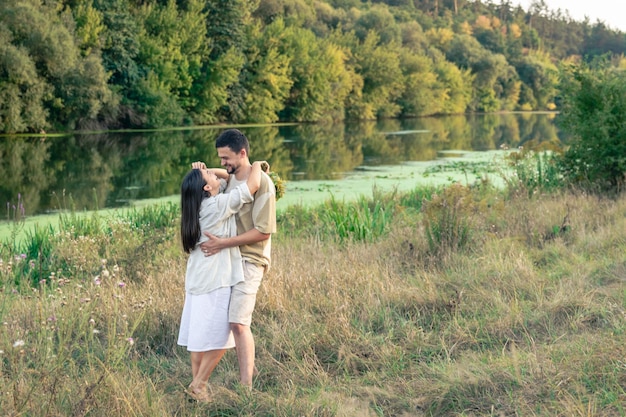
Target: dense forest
<point>108,64</point>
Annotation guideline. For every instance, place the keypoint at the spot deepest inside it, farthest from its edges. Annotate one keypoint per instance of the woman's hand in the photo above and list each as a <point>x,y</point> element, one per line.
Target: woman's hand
<point>265,166</point>
<point>198,165</point>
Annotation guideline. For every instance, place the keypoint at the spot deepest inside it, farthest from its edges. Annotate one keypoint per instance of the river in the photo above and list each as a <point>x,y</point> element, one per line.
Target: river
<point>44,174</point>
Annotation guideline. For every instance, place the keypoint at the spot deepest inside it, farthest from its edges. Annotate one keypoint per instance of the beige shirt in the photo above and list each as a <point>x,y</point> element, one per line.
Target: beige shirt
<point>259,214</point>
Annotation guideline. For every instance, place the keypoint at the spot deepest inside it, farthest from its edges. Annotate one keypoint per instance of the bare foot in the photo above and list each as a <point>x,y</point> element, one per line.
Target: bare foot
<point>198,394</point>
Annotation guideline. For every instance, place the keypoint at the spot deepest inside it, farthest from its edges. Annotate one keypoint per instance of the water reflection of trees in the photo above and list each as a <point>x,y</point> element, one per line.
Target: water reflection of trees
<point>24,170</point>
<point>321,151</point>
<point>267,143</point>
<point>105,170</point>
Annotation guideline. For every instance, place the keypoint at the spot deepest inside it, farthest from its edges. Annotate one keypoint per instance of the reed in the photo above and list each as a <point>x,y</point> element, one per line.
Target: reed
<point>535,172</point>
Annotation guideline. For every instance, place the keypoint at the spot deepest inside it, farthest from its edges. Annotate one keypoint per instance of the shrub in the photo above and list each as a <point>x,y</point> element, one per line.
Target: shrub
<point>594,114</point>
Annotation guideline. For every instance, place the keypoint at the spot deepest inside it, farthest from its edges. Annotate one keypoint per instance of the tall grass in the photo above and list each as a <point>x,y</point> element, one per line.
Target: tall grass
<point>493,314</point>
<point>535,172</point>
<point>447,220</point>
<point>362,220</point>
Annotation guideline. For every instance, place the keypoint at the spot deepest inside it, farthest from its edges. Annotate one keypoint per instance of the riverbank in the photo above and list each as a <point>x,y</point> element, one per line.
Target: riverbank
<point>462,167</point>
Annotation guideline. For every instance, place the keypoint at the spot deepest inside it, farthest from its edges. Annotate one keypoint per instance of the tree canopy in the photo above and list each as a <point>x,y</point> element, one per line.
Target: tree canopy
<point>102,64</point>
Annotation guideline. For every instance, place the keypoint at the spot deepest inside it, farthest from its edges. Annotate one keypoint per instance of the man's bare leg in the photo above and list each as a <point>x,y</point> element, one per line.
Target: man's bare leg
<point>244,342</point>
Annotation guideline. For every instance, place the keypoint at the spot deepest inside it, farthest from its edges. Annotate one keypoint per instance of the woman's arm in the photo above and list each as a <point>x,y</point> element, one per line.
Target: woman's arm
<point>220,173</point>
<point>254,179</point>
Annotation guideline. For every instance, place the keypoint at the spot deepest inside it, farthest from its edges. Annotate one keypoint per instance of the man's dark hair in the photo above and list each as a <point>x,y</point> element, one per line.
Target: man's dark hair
<point>234,139</point>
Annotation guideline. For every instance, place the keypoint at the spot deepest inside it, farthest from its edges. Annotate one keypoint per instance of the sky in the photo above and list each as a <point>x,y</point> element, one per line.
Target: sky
<point>611,12</point>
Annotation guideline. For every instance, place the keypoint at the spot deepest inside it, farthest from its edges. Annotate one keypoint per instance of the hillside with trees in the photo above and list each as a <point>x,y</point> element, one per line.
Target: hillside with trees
<point>108,64</point>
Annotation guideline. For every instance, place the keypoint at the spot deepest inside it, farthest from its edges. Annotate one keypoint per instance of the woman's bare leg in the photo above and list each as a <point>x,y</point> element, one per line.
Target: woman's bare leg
<point>203,364</point>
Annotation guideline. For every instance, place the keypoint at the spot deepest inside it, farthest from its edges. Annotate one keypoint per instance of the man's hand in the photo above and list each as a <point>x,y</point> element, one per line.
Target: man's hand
<point>211,246</point>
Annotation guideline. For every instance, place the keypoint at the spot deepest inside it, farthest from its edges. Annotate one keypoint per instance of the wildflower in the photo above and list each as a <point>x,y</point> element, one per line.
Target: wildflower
<point>121,284</point>
<point>52,319</point>
<point>96,280</point>
<point>31,263</point>
<point>130,341</point>
<point>95,331</point>
<point>1,351</point>
<point>105,273</point>
<point>115,267</point>
<point>92,321</point>
<point>18,343</point>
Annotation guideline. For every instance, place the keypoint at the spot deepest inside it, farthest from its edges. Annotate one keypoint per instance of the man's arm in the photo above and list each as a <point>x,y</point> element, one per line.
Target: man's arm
<point>215,244</point>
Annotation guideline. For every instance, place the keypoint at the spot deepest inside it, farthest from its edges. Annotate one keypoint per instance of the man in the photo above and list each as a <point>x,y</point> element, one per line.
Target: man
<point>256,222</point>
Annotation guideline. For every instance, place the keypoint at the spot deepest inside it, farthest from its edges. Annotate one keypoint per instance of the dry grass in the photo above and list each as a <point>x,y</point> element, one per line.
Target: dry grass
<point>528,318</point>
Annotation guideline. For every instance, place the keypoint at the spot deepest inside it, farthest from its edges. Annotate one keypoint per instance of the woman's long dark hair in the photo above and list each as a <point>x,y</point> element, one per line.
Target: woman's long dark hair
<point>191,196</point>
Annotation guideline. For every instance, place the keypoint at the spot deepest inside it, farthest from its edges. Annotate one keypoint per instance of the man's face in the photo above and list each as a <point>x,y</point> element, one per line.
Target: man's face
<point>230,159</point>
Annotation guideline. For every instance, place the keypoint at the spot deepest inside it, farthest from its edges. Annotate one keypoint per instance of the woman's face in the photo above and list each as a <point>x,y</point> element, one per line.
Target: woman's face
<point>211,179</point>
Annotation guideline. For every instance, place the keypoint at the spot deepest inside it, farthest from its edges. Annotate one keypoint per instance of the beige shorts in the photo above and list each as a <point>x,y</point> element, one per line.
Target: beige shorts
<point>243,294</point>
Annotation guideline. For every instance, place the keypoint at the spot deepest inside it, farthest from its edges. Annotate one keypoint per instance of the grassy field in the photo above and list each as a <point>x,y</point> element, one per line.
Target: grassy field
<point>434,301</point>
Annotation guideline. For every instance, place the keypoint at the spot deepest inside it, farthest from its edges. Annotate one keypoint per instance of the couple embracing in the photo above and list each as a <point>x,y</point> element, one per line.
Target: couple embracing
<point>227,218</point>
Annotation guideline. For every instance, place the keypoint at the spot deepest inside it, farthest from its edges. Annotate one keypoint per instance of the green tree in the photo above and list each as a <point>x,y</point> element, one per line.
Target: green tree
<point>594,114</point>
<point>423,93</point>
<point>458,85</point>
<point>379,65</point>
<point>121,42</point>
<point>172,48</point>
<point>602,40</point>
<point>378,19</point>
<point>321,82</point>
<point>210,91</point>
<point>22,90</point>
<point>264,82</point>
<point>75,90</point>
<point>540,77</point>
<point>89,26</point>
<point>227,22</point>
<point>121,47</point>
<point>496,85</point>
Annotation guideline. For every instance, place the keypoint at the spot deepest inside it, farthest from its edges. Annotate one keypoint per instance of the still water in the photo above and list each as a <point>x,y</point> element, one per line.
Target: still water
<point>94,171</point>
